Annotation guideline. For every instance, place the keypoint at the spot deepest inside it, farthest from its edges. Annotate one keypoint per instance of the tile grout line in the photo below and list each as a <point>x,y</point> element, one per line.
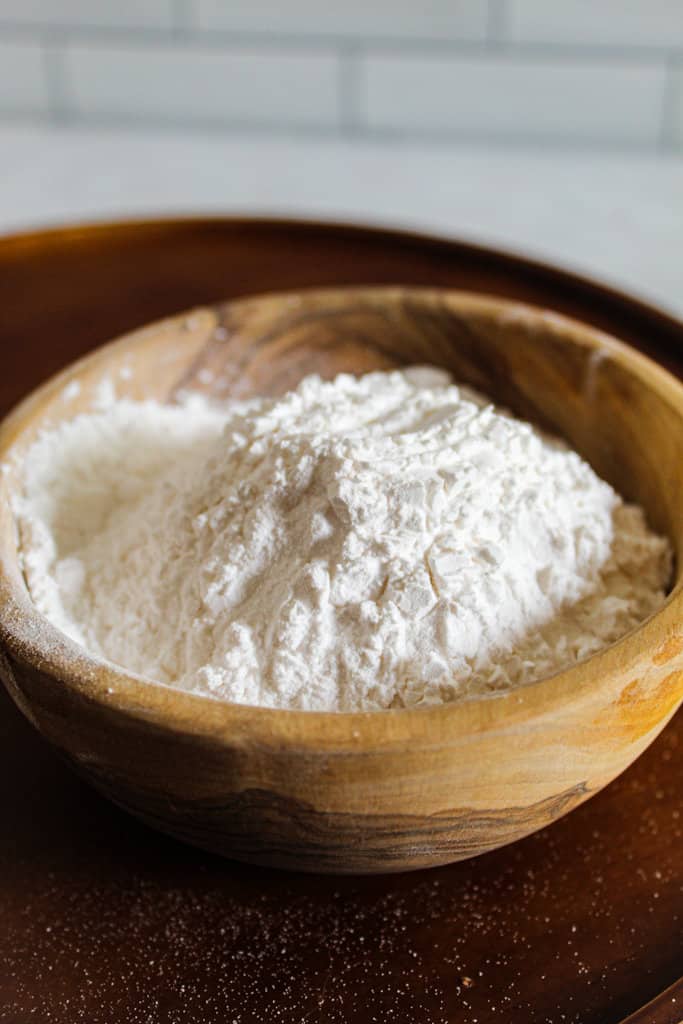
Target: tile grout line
<point>380,136</point>
<point>185,29</point>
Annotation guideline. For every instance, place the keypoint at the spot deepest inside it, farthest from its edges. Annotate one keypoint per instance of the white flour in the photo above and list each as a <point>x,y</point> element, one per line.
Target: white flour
<point>356,545</point>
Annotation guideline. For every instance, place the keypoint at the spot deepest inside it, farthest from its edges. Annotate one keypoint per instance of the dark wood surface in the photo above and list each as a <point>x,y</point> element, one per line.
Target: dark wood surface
<point>102,920</point>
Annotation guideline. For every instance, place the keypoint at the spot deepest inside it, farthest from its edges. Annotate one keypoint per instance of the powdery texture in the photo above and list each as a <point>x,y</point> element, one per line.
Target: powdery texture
<point>384,541</point>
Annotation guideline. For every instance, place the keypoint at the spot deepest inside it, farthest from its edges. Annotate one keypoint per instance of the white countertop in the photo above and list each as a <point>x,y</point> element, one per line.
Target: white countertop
<point>616,216</point>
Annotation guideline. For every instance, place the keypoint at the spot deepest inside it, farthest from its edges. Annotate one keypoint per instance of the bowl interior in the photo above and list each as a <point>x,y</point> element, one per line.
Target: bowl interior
<point>619,410</point>
<point>615,407</point>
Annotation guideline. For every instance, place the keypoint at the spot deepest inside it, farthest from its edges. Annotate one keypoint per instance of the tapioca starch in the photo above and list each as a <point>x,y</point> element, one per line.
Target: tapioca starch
<point>385,541</point>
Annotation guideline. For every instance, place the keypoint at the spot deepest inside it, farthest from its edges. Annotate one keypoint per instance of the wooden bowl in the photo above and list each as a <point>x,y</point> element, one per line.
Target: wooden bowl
<point>382,791</point>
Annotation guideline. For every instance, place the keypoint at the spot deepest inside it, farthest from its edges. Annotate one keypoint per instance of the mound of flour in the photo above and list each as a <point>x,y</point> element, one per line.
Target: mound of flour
<point>386,541</point>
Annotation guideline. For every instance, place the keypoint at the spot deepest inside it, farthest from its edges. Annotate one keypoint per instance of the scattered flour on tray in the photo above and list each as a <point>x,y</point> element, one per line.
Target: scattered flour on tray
<point>384,541</point>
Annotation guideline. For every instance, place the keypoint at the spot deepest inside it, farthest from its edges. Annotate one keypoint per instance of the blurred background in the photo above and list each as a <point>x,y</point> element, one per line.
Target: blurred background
<point>551,127</point>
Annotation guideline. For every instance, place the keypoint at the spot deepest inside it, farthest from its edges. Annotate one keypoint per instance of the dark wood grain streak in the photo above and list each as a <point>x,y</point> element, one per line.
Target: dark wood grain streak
<point>259,822</point>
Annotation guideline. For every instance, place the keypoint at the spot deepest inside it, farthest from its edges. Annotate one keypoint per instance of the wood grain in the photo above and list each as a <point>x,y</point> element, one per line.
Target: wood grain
<point>105,921</point>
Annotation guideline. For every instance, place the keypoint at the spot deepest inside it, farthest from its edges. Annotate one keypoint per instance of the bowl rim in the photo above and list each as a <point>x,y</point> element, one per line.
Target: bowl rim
<point>34,641</point>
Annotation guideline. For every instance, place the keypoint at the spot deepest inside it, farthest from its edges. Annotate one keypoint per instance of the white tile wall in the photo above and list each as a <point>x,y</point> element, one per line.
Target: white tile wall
<point>602,22</point>
<point>555,71</point>
<point>358,19</point>
<point>23,86</point>
<point>108,13</point>
<point>576,100</point>
<point>251,85</point>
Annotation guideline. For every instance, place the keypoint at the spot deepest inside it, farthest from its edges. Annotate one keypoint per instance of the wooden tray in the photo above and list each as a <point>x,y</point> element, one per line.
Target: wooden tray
<point>104,921</point>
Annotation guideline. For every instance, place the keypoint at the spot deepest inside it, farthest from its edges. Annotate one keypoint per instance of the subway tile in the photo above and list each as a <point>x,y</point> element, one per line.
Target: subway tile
<point>361,19</point>
<point>578,101</point>
<point>597,22</point>
<point>23,85</point>
<point>262,85</point>
<point>89,13</point>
